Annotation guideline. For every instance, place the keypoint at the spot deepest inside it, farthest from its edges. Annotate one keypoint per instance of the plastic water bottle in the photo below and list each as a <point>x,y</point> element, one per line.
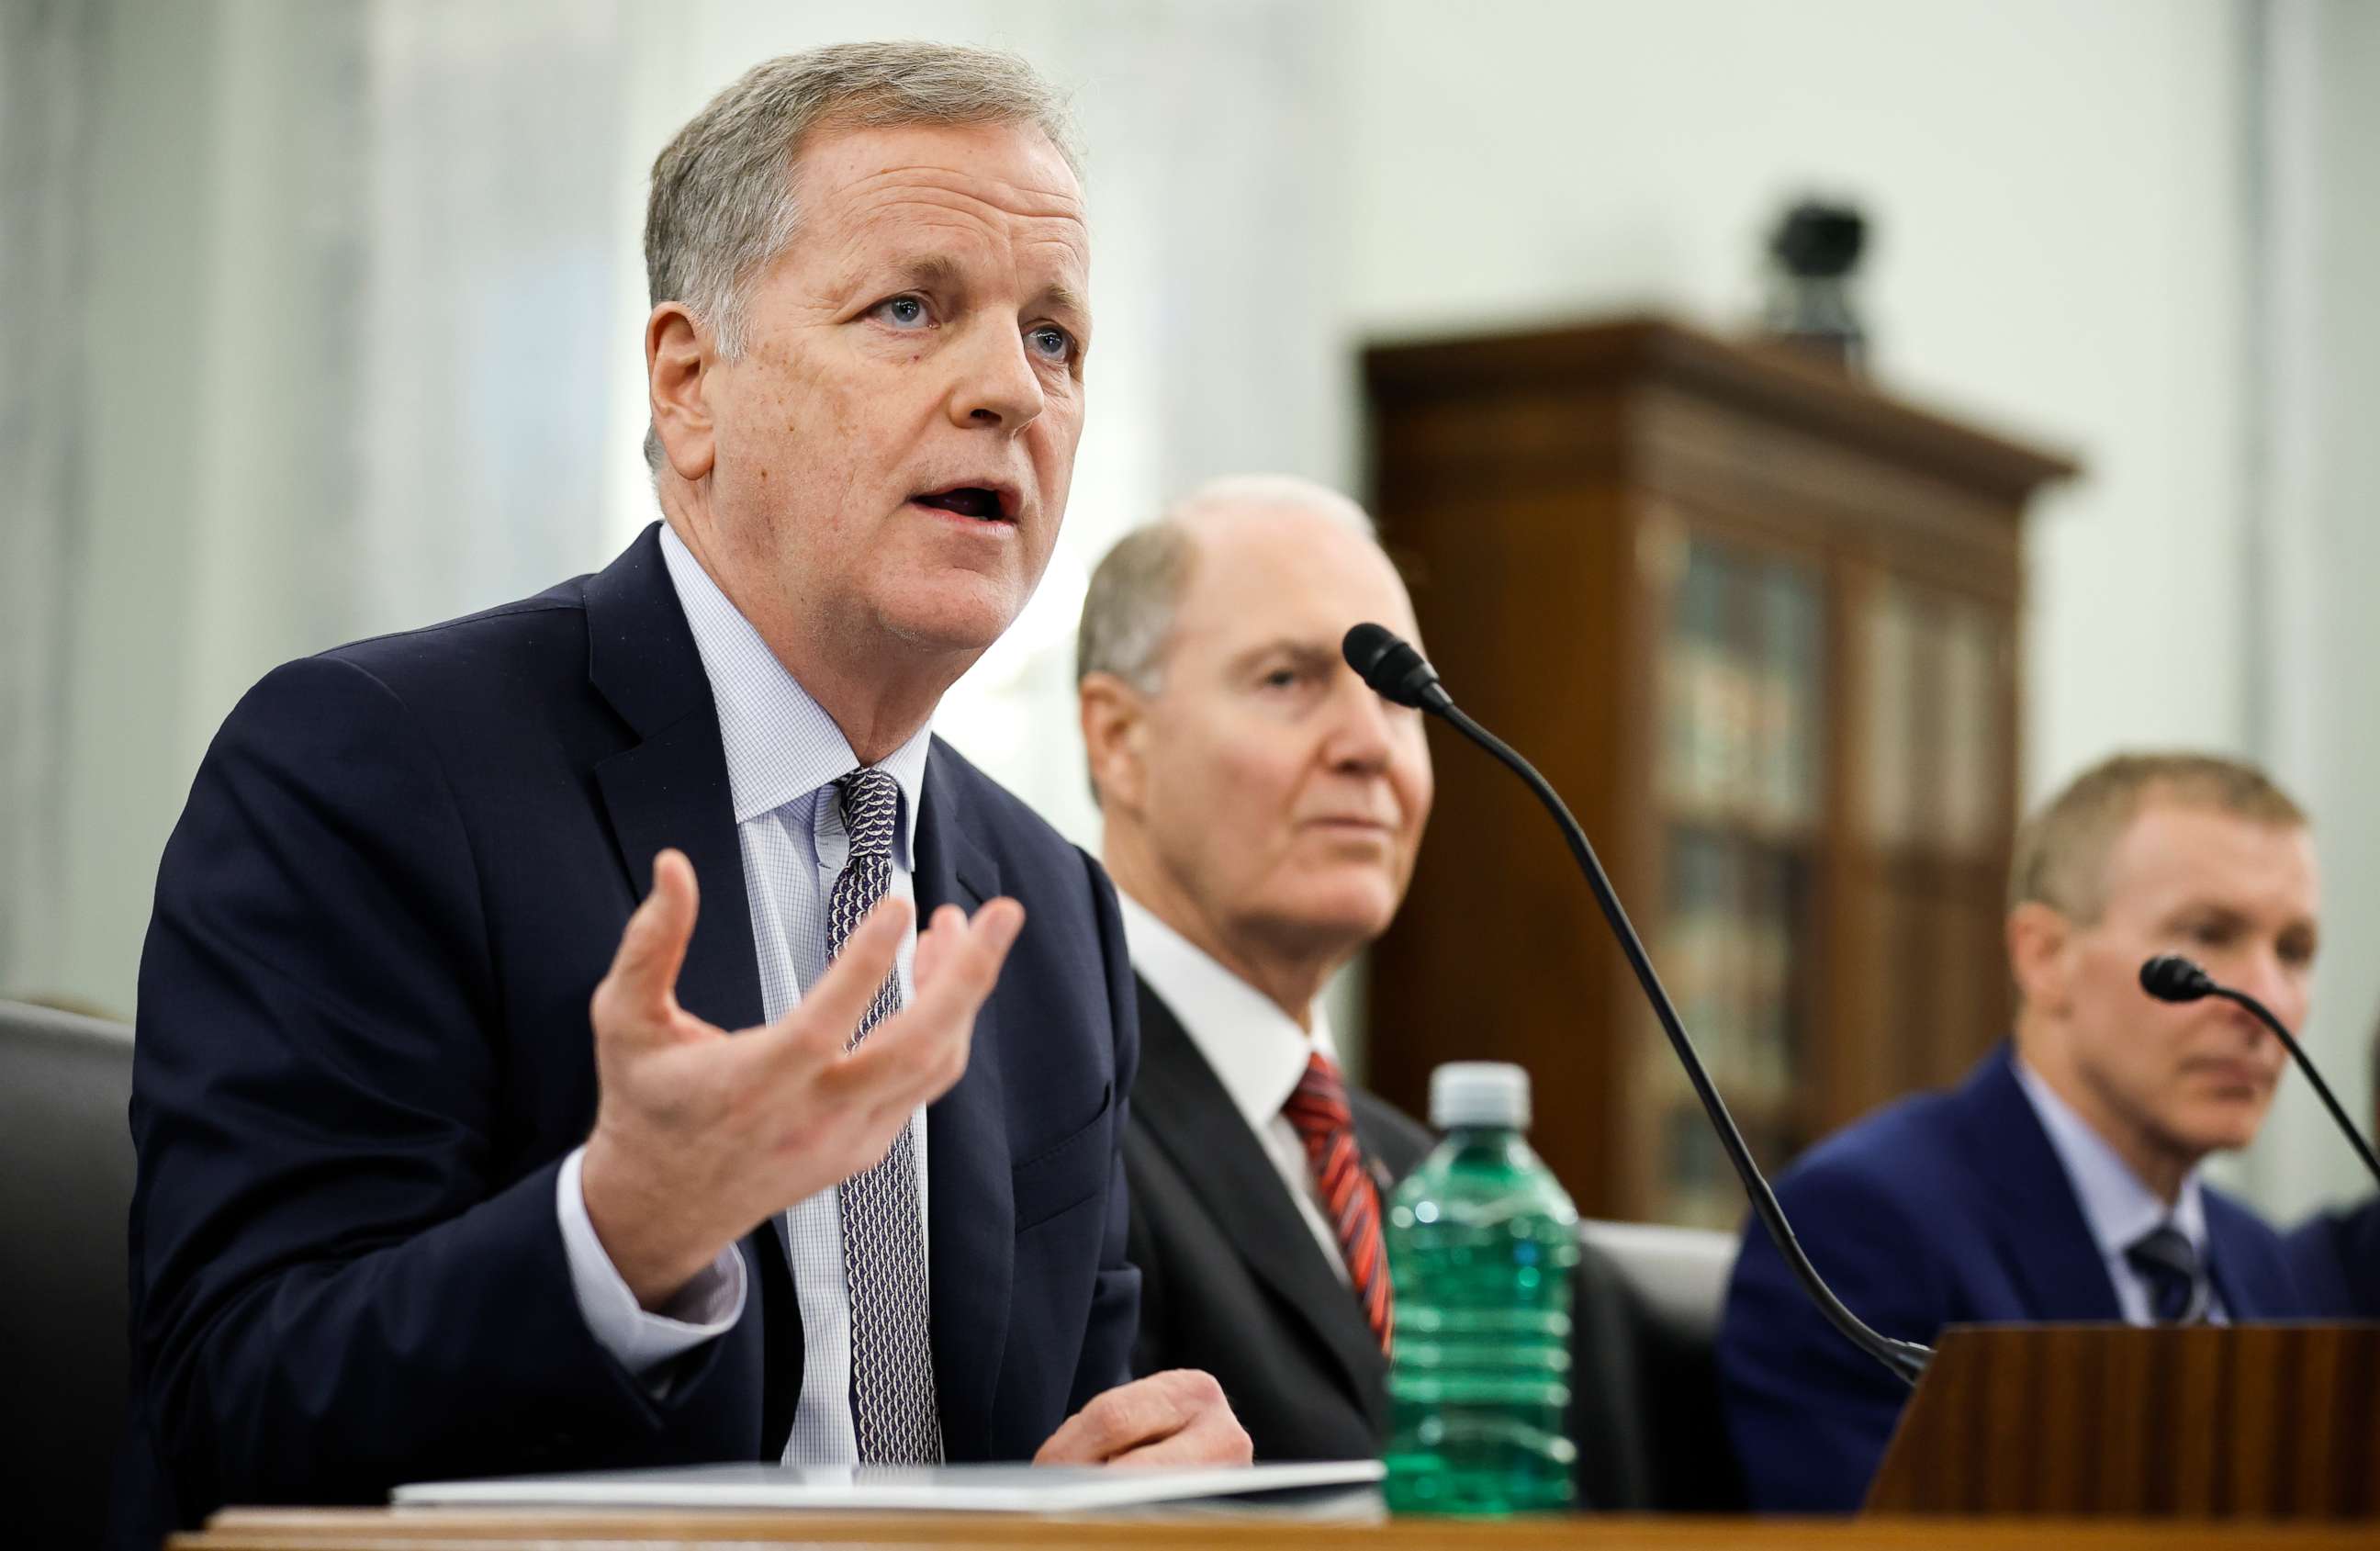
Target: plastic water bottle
<point>1482,1242</point>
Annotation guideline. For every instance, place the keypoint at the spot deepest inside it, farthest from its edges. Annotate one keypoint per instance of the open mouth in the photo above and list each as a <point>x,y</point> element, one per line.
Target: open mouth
<point>980,502</point>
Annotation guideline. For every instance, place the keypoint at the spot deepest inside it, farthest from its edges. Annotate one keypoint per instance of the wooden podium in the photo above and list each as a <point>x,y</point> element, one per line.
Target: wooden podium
<point>2166,1440</point>
<point>2092,1421</point>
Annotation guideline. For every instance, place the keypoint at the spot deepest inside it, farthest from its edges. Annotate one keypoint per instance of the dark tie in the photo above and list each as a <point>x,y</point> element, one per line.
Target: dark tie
<point>2177,1283</point>
<point>893,1410</point>
<point>1317,1110</point>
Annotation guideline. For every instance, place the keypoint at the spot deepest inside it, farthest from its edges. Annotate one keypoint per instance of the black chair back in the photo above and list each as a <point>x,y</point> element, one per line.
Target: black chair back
<point>65,1190</point>
<point>1673,1285</point>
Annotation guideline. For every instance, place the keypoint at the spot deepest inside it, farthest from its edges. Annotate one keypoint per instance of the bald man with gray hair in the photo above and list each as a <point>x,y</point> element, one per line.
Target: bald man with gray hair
<point>1260,809</point>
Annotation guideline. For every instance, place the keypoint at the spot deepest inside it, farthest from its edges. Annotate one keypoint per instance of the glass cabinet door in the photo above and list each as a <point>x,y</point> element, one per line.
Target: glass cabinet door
<point>1738,789</point>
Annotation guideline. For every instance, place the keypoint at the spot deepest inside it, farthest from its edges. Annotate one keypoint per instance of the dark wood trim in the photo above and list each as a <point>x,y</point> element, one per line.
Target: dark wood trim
<point>1762,380</point>
<point>2264,1422</point>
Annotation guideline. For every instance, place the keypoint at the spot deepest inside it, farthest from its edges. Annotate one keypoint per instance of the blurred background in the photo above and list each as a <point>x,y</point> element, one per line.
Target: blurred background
<point>321,317</point>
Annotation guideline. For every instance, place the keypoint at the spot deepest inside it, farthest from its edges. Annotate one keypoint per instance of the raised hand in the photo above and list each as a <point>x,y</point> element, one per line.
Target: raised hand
<point>700,1136</point>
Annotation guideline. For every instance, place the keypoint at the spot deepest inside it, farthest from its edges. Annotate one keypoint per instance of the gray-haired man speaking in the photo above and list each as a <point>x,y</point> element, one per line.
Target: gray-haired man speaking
<point>449,1164</point>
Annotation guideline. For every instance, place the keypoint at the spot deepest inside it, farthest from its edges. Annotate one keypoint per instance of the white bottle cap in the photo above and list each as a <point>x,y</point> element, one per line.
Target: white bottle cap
<point>1479,1093</point>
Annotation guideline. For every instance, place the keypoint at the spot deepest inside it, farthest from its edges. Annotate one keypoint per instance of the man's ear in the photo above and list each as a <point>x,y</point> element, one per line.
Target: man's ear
<point>677,367</point>
<point>2038,936</point>
<point>1115,726</point>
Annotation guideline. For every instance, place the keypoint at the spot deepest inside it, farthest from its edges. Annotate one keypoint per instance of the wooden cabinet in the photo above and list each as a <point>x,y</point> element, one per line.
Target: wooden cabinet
<point>1758,624</point>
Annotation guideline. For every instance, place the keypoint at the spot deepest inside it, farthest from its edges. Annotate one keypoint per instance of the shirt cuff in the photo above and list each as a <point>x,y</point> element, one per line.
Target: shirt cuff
<point>705,1308</point>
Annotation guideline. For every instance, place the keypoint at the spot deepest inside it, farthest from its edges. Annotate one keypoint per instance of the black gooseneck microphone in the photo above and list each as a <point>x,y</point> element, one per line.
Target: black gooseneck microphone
<point>2171,977</point>
<point>1399,674</point>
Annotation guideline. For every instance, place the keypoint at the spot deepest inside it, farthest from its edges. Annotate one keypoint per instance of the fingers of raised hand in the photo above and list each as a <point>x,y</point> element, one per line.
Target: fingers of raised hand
<point>638,996</point>
<point>966,956</point>
<point>1180,1416</point>
<point>821,1025</point>
<point>921,1051</point>
<point>948,925</point>
<point>853,1101</point>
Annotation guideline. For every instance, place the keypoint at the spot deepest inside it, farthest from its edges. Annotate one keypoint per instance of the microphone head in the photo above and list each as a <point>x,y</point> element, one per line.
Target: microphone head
<point>1396,671</point>
<point>1364,645</point>
<point>2171,977</point>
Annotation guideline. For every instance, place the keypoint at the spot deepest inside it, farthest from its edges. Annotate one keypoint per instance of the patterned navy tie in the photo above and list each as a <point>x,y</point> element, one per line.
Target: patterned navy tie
<point>2167,1261</point>
<point>893,1404</point>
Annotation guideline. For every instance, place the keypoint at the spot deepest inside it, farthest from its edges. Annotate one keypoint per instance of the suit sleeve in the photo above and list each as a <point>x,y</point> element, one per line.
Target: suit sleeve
<point>335,1287</point>
<point>1115,1301</point>
<point>1810,1413</point>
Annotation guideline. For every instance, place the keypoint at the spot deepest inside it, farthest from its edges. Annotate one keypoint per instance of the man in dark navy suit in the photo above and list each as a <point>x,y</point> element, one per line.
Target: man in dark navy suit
<point>2060,1181</point>
<point>2337,1254</point>
<point>448,1162</point>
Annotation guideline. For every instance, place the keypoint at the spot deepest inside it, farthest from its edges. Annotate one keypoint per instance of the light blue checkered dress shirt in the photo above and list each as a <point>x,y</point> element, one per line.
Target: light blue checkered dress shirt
<point>783,754</point>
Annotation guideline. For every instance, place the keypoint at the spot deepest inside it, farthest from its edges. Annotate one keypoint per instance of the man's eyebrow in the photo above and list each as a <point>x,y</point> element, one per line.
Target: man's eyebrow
<point>931,271</point>
<point>1062,298</point>
<point>1305,654</point>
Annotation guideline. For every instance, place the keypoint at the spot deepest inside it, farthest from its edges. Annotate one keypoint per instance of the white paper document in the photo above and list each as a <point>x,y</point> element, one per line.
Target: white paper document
<point>947,1488</point>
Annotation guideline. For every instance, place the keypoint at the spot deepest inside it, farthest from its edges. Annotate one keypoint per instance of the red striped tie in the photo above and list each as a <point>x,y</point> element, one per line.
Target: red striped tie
<point>1317,1110</point>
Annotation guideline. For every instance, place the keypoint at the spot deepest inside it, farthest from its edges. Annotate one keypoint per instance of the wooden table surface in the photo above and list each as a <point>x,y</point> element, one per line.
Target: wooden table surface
<point>509,1529</point>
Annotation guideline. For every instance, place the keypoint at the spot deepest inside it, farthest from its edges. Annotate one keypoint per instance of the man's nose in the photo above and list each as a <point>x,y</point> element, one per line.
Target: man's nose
<point>1360,735</point>
<point>998,387</point>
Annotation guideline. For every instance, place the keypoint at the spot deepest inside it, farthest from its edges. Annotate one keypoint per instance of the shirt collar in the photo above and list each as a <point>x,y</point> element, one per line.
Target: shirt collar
<point>1254,1047</point>
<point>780,744</point>
<point>2119,1209</point>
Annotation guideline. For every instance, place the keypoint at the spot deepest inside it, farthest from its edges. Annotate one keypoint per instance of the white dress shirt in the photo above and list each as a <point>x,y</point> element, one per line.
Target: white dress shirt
<point>1258,1050</point>
<point>783,756</point>
<point>2119,1208</point>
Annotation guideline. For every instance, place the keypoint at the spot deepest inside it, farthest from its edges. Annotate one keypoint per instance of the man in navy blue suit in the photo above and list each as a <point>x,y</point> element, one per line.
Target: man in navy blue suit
<point>448,1162</point>
<point>2060,1181</point>
<point>2337,1254</point>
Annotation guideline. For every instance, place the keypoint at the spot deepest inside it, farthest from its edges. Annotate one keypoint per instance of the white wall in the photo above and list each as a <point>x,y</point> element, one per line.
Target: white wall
<point>2315,628</point>
<point>48,69</point>
<point>327,385</point>
<point>2058,233</point>
<point>127,754</point>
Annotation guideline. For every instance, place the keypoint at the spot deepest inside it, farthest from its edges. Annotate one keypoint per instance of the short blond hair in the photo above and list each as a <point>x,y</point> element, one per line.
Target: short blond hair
<point>2061,851</point>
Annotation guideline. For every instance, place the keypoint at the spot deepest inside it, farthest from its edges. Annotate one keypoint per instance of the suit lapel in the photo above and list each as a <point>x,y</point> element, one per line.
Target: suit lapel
<point>1186,1110</point>
<point>669,788</point>
<point>971,1217</point>
<point>2042,1234</point>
